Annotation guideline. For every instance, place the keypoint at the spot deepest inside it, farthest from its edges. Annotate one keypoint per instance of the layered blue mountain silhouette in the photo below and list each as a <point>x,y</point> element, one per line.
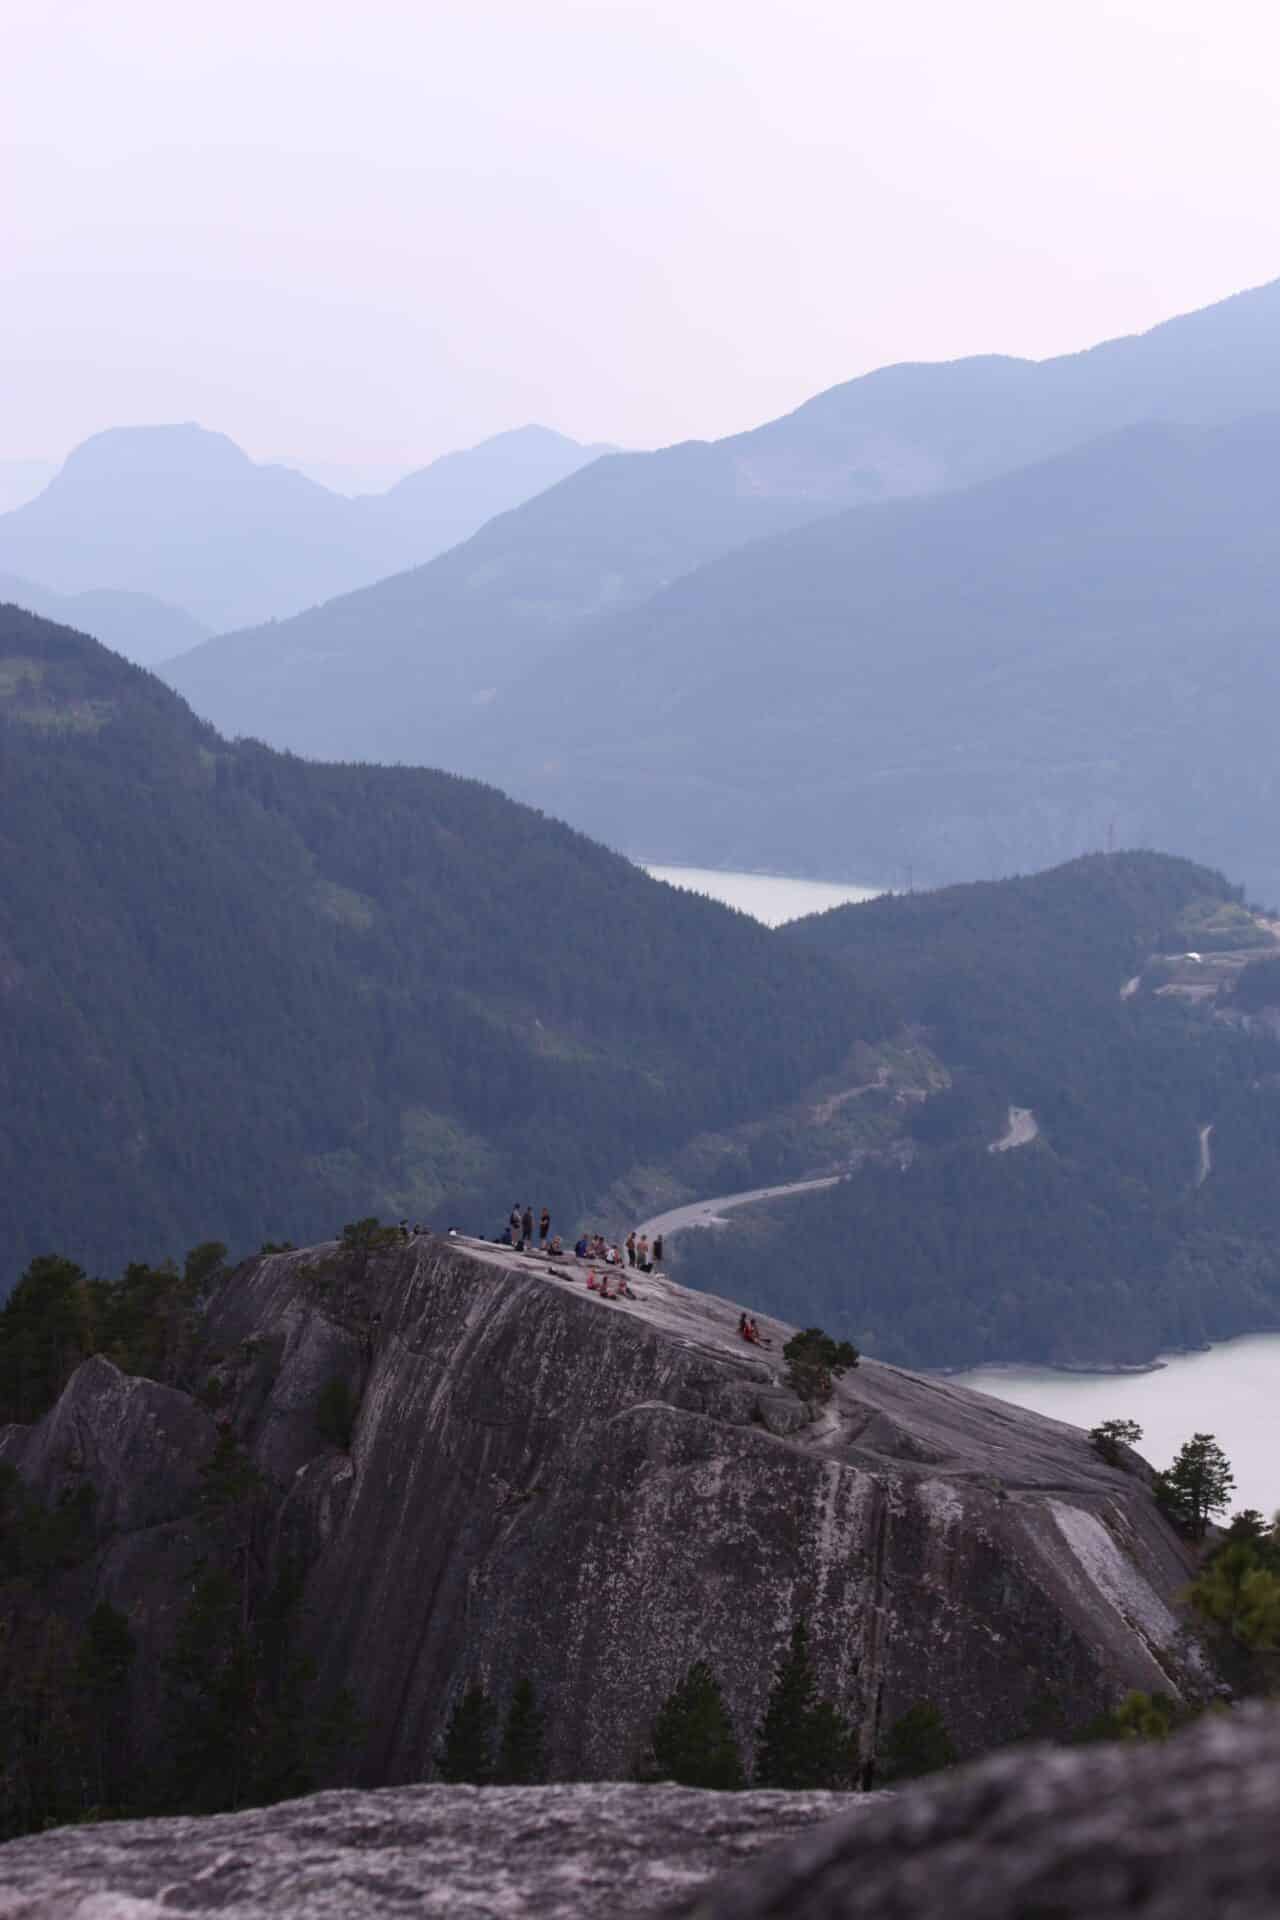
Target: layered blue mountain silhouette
<point>184,516</point>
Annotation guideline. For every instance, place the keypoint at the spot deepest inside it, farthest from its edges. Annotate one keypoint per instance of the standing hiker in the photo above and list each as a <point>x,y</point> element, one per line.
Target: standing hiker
<point>526,1227</point>
<point>657,1250</point>
<point>544,1227</point>
<point>514,1224</point>
<point>642,1253</point>
<point>631,1248</point>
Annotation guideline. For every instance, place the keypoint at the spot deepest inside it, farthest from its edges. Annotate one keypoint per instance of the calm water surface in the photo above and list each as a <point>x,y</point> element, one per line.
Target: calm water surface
<point>770,897</point>
<point>1232,1392</point>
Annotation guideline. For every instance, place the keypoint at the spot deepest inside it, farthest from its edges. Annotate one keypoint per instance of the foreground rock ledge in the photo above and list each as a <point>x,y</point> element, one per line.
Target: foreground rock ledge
<point>551,1853</point>
<point>1187,1831</point>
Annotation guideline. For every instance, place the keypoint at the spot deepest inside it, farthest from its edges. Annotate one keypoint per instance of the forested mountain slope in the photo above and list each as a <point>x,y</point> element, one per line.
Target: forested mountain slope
<point>1098,1239</point>
<point>422,666</point>
<point>980,683</point>
<point>248,996</point>
<point>185,516</point>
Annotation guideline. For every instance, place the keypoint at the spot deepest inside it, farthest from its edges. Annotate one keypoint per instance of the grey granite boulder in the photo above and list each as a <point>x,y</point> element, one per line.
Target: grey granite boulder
<point>1185,1831</point>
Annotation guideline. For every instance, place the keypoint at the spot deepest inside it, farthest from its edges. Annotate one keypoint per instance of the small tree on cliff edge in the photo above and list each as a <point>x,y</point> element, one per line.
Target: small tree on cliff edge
<point>693,1738</point>
<point>815,1361</point>
<point>1197,1485</point>
<point>1111,1435</point>
<point>465,1757</point>
<point>802,1740</point>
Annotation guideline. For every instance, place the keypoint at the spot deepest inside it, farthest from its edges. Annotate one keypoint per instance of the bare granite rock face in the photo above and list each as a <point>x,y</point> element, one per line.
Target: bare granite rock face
<point>456,1853</point>
<point>594,1494</point>
<point>1184,1831</point>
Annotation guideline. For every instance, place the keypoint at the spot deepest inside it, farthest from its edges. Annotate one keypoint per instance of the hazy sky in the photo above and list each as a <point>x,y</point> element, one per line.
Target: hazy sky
<point>370,233</point>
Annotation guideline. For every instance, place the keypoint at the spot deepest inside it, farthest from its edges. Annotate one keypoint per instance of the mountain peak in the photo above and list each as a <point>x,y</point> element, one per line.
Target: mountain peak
<point>155,452</point>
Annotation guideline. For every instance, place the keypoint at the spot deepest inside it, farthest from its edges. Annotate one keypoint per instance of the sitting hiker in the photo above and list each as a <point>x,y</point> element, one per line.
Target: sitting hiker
<point>743,1324</point>
<point>504,1238</point>
<point>591,1281</point>
<point>554,1248</point>
<point>581,1248</point>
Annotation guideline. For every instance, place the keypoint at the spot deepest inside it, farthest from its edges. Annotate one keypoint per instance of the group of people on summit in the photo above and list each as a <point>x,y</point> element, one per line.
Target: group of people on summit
<point>529,1236</point>
<point>635,1253</point>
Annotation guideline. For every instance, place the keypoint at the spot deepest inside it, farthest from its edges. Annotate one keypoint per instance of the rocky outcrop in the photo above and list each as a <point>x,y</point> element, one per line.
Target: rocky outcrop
<point>1180,1832</point>
<point>595,1494</point>
<point>458,1853</point>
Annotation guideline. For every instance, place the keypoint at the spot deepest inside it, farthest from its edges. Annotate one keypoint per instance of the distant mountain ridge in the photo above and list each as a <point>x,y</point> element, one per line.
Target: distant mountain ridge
<point>423,666</point>
<point>141,628</point>
<point>183,515</point>
<point>973,684</point>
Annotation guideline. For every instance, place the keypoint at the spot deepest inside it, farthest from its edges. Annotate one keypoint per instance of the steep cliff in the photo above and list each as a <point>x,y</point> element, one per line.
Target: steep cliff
<point>594,1494</point>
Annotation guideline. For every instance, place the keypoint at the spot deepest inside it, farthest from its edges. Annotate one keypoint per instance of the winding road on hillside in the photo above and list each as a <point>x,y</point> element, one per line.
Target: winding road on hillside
<point>1206,1155</point>
<point>1022,1129</point>
<point>710,1213</point>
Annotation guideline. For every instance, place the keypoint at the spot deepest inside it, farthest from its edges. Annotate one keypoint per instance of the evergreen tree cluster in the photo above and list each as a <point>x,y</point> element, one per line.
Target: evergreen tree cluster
<point>146,1322</point>
<point>803,1742</point>
<point>1238,1591</point>
<point>245,1725</point>
<point>473,1753</point>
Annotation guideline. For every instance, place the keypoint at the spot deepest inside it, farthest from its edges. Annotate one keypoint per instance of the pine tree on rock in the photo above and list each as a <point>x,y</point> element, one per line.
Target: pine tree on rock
<point>465,1757</point>
<point>521,1759</point>
<point>693,1737</point>
<point>1197,1485</point>
<point>803,1741</point>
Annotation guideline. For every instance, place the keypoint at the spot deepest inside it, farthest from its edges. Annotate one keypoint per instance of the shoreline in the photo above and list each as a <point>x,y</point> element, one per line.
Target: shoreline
<point>1102,1369</point>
